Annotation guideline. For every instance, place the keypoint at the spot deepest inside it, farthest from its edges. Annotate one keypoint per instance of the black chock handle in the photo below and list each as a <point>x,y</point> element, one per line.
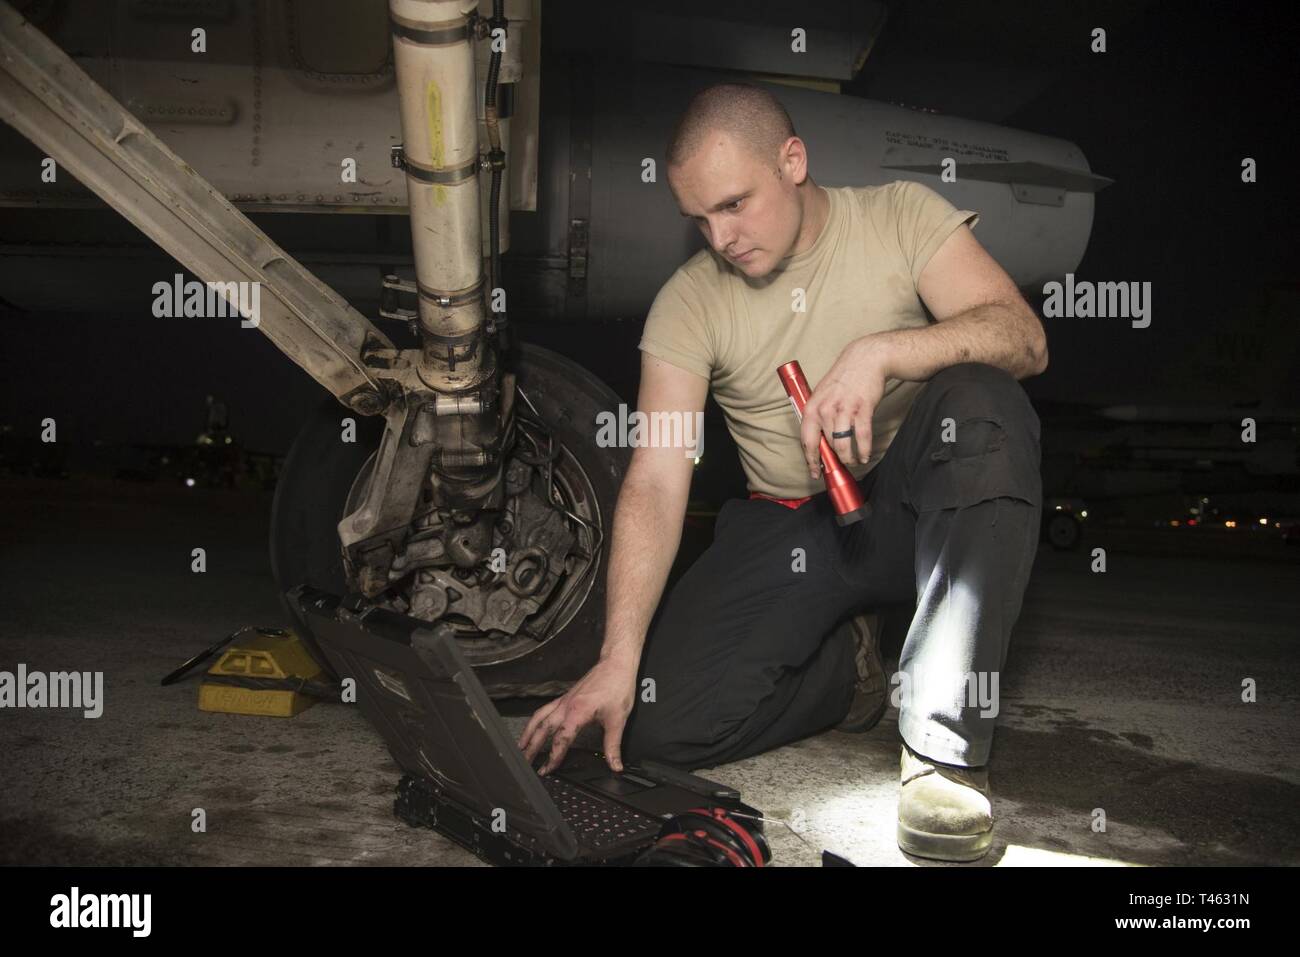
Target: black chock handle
<point>211,650</point>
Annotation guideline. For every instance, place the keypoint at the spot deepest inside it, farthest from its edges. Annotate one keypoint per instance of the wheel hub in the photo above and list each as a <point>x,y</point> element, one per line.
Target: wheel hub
<point>502,580</point>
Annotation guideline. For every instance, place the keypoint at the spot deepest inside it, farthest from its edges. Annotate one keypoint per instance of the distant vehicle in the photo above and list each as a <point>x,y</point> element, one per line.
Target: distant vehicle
<point>1063,522</point>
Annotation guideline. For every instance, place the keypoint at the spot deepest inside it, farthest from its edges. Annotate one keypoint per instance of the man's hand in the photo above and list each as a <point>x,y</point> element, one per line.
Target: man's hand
<point>605,694</point>
<point>846,398</point>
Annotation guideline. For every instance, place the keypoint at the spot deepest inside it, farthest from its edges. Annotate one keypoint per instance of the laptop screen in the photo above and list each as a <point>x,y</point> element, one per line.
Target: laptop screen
<point>418,691</point>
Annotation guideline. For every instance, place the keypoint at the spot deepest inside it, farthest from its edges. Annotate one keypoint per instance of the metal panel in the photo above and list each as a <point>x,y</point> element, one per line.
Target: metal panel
<point>726,34</point>
<point>269,112</point>
<point>48,99</point>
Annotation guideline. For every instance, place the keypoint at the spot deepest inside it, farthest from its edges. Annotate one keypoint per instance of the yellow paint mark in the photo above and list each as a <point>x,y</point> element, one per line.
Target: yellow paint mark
<point>433,109</point>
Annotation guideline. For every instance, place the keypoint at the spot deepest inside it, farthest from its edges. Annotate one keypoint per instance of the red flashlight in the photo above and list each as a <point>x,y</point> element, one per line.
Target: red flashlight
<point>842,487</point>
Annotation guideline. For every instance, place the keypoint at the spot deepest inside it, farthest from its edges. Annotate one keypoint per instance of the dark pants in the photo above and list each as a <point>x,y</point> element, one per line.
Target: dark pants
<point>752,649</point>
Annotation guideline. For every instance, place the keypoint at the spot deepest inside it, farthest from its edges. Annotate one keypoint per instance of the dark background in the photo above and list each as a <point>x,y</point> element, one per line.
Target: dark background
<point>1183,93</point>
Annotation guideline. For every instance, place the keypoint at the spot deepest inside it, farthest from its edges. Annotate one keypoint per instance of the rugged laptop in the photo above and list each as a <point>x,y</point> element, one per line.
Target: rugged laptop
<point>465,776</point>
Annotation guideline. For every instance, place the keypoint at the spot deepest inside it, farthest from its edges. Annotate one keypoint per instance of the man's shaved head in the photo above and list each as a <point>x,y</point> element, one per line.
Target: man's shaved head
<point>739,172</point>
<point>751,115</point>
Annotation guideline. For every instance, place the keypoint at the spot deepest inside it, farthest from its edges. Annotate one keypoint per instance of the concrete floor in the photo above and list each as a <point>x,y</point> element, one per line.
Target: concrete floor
<point>1122,692</point>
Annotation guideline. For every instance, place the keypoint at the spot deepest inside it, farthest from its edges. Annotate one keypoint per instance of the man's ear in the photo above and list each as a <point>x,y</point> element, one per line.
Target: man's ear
<point>796,160</point>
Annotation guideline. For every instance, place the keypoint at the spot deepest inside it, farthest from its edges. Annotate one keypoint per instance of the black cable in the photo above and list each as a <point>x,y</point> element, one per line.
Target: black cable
<point>308,686</point>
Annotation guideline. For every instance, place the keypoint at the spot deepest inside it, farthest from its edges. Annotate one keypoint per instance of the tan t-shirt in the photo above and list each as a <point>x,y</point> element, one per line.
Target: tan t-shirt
<point>859,277</point>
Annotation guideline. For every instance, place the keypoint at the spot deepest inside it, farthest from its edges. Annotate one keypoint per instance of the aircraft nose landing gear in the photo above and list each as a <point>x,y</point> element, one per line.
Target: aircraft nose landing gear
<point>522,583</point>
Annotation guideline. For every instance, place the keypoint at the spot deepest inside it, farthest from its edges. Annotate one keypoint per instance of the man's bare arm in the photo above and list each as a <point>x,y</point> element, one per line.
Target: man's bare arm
<point>647,529</point>
<point>647,534</point>
<point>992,333</point>
<point>980,317</point>
<point>648,517</point>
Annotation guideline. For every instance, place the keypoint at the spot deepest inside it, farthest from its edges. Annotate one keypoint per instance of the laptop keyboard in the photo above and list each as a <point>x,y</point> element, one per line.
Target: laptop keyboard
<point>599,823</point>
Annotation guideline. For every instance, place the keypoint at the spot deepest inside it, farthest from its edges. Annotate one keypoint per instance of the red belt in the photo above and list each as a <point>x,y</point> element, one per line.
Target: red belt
<point>787,502</point>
